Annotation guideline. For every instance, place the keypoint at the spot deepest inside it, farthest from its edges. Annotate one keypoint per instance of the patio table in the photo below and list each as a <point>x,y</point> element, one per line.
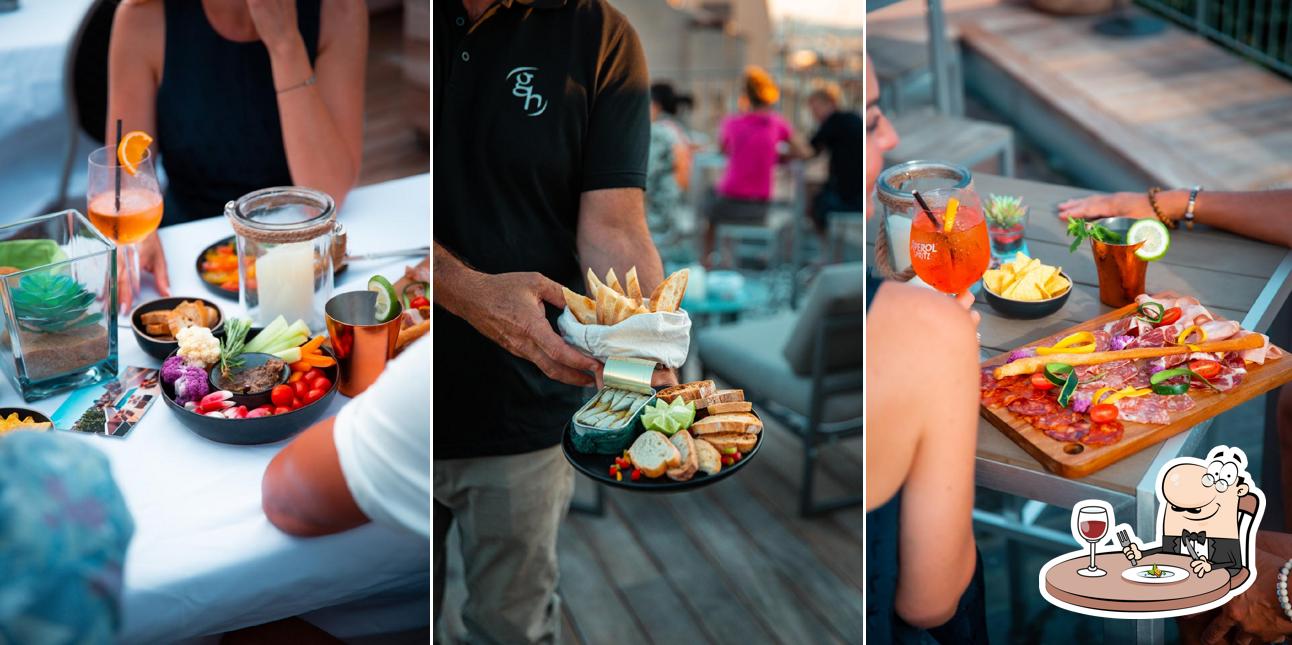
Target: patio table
<point>204,559</point>
<point>1236,277</point>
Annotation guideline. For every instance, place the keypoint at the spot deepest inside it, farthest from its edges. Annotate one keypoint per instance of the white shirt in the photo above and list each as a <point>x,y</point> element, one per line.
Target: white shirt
<point>383,441</point>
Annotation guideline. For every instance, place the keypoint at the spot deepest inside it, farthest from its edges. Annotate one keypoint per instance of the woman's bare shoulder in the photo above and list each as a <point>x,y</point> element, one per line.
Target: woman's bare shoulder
<point>140,14</point>
<point>902,312</point>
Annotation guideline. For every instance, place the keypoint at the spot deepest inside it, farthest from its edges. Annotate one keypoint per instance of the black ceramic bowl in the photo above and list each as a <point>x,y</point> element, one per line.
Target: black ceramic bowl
<point>259,430</point>
<point>250,399</point>
<point>1028,309</point>
<point>156,347</point>
<point>23,413</point>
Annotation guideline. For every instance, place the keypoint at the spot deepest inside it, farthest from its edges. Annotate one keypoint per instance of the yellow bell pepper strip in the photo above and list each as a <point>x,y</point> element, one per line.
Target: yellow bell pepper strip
<point>1188,331</point>
<point>949,219</point>
<point>1128,393</point>
<point>1094,400</point>
<point>1082,342</point>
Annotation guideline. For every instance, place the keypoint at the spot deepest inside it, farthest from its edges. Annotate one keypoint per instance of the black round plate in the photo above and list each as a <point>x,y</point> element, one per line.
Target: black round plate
<point>597,467</point>
<point>215,288</point>
<point>156,347</point>
<point>255,431</point>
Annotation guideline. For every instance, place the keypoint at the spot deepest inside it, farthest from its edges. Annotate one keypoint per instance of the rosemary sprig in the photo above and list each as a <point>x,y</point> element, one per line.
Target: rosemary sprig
<point>235,339</point>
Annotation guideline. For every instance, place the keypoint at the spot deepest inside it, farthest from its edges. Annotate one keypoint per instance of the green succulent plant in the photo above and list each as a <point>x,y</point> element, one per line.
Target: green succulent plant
<point>49,303</point>
<point>1004,211</point>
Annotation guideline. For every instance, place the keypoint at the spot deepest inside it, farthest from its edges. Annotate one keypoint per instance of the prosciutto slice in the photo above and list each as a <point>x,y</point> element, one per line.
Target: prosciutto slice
<point>1152,408</point>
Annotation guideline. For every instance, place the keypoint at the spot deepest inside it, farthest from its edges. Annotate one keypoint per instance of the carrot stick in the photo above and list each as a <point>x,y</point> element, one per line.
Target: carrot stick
<point>312,345</point>
<point>1038,363</point>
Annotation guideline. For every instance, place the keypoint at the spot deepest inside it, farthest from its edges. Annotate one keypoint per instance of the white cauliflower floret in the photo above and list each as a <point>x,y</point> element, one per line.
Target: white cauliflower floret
<point>197,346</point>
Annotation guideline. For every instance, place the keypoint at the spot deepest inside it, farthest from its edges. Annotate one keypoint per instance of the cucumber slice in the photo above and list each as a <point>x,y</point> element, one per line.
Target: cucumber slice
<point>1154,235</point>
<point>387,300</point>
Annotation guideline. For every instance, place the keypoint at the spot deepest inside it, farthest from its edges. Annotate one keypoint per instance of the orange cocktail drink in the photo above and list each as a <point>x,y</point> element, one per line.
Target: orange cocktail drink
<point>950,258</point>
<point>139,215</point>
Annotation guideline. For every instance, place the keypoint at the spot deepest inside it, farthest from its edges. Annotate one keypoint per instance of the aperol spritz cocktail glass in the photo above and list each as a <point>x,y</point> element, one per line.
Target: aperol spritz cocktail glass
<point>950,259</point>
<point>126,216</point>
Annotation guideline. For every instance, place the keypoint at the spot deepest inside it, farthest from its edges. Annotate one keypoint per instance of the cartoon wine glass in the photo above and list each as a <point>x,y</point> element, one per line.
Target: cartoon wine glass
<point>1092,522</point>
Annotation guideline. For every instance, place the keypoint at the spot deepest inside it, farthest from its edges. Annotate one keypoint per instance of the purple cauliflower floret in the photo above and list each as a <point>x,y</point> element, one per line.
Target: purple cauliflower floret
<point>191,385</point>
<point>1021,353</point>
<point>1120,342</point>
<point>171,369</point>
<point>1080,402</point>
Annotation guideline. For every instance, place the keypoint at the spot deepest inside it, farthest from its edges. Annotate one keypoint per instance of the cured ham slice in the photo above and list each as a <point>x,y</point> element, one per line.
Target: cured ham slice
<point>1220,329</point>
<point>1259,355</point>
<point>1152,408</point>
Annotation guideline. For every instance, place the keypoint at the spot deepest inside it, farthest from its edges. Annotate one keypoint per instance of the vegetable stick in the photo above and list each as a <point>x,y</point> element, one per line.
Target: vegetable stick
<point>1037,363</point>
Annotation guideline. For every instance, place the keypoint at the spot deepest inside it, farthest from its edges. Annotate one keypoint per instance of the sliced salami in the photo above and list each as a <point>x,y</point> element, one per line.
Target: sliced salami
<point>1072,432</point>
<point>1032,407</point>
<point>1103,434</point>
<point>1144,409</point>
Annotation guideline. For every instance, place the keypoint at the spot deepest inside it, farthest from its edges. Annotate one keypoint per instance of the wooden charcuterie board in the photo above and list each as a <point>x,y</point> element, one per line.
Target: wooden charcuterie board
<point>1075,460</point>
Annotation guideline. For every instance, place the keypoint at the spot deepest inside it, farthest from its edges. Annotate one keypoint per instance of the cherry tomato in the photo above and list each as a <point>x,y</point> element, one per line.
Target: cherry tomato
<point>320,383</point>
<point>314,395</point>
<point>314,373</point>
<point>281,395</point>
<point>1169,316</point>
<point>1103,413</point>
<point>300,388</point>
<point>1205,368</point>
<point>1041,383</point>
<point>418,302</point>
<point>282,409</point>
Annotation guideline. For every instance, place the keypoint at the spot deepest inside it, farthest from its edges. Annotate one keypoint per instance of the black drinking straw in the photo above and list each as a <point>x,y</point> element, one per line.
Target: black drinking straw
<point>916,193</point>
<point>118,167</point>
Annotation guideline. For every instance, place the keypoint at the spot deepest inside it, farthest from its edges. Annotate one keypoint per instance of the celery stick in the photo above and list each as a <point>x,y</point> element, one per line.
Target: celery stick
<point>289,356</point>
<point>267,335</point>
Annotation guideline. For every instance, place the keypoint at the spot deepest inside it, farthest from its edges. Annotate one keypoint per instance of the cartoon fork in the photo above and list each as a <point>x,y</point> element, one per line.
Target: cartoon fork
<point>1125,541</point>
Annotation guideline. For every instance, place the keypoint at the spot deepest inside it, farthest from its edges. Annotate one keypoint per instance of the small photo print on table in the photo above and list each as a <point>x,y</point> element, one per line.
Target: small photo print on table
<point>113,408</point>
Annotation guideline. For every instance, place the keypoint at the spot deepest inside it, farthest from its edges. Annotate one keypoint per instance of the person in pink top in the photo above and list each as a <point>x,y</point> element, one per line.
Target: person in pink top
<point>752,141</point>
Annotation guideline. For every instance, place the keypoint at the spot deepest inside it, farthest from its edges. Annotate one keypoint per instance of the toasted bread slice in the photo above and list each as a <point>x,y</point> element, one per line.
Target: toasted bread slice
<point>583,307</point>
<point>594,284</point>
<point>709,458</point>
<point>688,391</point>
<point>668,295</point>
<point>690,457</point>
<point>612,281</point>
<point>721,396</point>
<point>653,454</point>
<point>633,287</point>
<point>725,408</point>
<point>741,441</point>
<point>732,422</point>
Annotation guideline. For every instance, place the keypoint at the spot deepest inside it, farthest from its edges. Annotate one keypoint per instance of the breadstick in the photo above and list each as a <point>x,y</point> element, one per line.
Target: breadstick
<point>1037,363</point>
<point>410,334</point>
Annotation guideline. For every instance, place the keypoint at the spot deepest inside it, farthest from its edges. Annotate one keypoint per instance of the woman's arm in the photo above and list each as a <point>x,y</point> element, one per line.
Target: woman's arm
<point>922,427</point>
<point>1262,215</point>
<point>322,123</point>
<point>134,67</point>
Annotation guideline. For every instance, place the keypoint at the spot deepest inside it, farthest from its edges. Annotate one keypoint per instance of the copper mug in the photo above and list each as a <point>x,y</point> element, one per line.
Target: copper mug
<point>1121,273</point>
<point>361,343</point>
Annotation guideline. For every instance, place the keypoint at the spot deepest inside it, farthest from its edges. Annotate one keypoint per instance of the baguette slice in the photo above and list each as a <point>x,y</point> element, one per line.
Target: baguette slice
<point>687,391</point>
<point>742,441</point>
<point>721,396</point>
<point>733,422</point>
<point>654,454</point>
<point>709,457</point>
<point>725,408</point>
<point>690,458</point>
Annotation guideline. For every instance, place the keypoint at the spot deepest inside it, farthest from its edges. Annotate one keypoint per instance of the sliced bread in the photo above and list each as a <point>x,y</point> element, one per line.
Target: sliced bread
<point>725,408</point>
<point>741,441</point>
<point>721,396</point>
<point>690,458</point>
<point>653,454</point>
<point>733,422</point>
<point>709,457</point>
<point>687,391</point>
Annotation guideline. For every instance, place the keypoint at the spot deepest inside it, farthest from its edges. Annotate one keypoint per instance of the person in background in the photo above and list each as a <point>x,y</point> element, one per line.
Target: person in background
<point>64,529</point>
<point>668,167</point>
<point>923,571</point>
<point>839,133</point>
<point>239,95</point>
<point>754,140</point>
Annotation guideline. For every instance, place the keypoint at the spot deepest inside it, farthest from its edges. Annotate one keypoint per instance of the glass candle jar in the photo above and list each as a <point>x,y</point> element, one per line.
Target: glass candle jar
<point>898,207</point>
<point>285,263</point>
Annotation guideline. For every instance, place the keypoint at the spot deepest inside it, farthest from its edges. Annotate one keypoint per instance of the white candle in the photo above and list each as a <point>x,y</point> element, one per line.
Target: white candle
<point>285,283</point>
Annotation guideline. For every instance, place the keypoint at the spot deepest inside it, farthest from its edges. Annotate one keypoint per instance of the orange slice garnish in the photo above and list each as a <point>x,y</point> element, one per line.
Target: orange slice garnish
<point>949,219</point>
<point>131,150</point>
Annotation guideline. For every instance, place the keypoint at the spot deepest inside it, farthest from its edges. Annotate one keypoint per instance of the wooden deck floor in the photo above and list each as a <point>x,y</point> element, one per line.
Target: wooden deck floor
<point>391,149</point>
<point>732,563</point>
<point>1175,106</point>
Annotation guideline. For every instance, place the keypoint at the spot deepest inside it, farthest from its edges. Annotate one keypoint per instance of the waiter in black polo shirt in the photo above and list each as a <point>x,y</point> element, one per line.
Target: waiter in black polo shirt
<point>839,133</point>
<point>542,126</point>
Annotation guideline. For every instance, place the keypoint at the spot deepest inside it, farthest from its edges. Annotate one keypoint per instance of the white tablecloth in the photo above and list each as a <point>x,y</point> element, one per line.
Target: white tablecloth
<point>204,559</point>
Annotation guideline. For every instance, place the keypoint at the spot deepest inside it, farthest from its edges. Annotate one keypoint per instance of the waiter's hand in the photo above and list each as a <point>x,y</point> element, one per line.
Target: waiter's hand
<point>1254,615</point>
<point>508,309</point>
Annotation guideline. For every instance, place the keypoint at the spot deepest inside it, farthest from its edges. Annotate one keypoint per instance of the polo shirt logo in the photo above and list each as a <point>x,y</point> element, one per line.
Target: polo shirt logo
<point>535,104</point>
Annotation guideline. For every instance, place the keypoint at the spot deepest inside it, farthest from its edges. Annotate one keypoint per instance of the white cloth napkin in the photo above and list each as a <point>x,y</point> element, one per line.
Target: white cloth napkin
<point>663,337</point>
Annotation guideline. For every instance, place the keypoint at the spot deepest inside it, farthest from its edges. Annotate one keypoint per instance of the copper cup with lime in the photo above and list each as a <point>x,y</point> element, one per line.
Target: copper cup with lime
<point>1122,258</point>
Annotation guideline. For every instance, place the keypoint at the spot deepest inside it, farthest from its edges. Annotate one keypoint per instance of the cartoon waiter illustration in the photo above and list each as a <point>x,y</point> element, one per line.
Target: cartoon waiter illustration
<point>1200,512</point>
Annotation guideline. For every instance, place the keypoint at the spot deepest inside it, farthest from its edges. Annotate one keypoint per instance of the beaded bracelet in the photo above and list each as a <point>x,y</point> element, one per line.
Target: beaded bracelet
<point>1152,201</point>
<point>1281,590</point>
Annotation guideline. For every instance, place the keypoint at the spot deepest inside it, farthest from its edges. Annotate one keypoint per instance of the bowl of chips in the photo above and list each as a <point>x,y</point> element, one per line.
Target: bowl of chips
<point>1026,288</point>
<point>22,419</point>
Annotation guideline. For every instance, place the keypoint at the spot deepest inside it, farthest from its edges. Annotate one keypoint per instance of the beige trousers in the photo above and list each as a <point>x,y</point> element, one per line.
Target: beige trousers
<point>508,510</point>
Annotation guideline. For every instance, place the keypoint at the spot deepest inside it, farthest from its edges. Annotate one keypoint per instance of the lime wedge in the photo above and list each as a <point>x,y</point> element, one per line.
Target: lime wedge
<point>387,300</point>
<point>683,413</point>
<point>1154,235</point>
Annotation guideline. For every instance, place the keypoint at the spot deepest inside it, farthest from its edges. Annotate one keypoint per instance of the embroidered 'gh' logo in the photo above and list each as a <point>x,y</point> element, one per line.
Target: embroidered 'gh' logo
<point>535,104</point>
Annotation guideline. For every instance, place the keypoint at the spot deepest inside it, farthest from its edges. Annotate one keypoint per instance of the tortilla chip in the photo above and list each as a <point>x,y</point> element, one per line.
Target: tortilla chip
<point>594,283</point>
<point>668,295</point>
<point>612,281</point>
<point>583,307</point>
<point>634,288</point>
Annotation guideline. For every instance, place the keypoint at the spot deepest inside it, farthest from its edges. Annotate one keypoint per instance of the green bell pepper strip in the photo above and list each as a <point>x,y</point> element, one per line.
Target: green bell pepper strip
<point>1143,312</point>
<point>1064,376</point>
<point>1157,381</point>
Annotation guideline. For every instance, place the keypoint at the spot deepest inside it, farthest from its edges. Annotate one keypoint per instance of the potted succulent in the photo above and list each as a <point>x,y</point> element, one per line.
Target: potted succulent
<point>1006,218</point>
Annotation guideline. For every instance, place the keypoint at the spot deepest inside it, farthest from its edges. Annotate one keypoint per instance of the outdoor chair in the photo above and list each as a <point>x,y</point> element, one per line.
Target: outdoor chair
<point>85,87</point>
<point>802,368</point>
<point>841,228</point>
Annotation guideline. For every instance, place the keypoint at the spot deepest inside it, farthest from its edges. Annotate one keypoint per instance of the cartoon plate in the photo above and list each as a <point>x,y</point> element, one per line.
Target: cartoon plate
<point>1166,574</point>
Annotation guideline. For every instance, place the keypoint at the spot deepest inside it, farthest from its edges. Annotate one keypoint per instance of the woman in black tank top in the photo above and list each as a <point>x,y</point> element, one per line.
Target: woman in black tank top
<point>240,95</point>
